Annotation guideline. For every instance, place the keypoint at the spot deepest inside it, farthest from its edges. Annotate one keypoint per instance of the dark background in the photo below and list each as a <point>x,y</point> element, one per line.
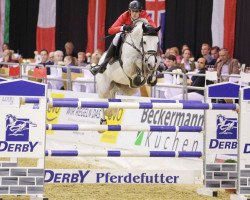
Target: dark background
<point>187,22</point>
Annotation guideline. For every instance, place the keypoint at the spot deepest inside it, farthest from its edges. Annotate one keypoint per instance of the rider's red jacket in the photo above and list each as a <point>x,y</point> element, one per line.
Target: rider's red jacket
<point>126,19</point>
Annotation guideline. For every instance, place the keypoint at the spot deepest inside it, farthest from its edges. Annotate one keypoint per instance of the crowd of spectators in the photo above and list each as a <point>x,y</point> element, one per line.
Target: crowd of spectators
<point>212,59</point>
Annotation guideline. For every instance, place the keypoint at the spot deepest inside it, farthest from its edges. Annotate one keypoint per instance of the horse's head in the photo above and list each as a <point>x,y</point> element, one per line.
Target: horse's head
<point>150,46</point>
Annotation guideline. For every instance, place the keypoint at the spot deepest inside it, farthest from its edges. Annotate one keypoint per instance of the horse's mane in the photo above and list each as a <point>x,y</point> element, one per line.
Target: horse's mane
<point>148,29</point>
<point>141,21</point>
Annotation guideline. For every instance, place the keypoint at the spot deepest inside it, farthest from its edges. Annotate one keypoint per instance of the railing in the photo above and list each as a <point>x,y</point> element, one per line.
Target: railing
<point>67,81</point>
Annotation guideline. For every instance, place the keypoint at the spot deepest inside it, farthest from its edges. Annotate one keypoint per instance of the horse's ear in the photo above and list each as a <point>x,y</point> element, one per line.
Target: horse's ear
<point>158,28</point>
<point>144,28</point>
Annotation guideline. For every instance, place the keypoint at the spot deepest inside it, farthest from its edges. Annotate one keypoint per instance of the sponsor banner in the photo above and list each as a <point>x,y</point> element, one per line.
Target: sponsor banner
<point>121,176</point>
<point>115,119</point>
<point>221,132</point>
<point>166,141</point>
<point>131,140</point>
<point>10,101</point>
<point>52,115</point>
<point>244,138</point>
<point>22,135</point>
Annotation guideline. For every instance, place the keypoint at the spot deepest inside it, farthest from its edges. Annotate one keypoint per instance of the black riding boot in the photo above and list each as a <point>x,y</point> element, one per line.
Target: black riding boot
<point>102,67</point>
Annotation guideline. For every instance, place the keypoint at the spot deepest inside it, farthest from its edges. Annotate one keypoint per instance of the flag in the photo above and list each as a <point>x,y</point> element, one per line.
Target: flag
<point>223,24</point>
<point>46,25</point>
<point>14,71</point>
<point>4,21</point>
<point>40,73</point>
<point>96,25</point>
<point>157,9</point>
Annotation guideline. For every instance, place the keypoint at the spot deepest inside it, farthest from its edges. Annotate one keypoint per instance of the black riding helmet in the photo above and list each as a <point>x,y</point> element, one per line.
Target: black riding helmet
<point>135,5</point>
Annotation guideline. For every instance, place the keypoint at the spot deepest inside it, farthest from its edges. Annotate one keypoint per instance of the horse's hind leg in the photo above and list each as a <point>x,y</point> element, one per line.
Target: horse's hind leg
<point>109,112</point>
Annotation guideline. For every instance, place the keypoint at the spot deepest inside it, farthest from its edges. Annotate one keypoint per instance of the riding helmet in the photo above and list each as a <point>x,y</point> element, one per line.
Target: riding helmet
<point>135,5</point>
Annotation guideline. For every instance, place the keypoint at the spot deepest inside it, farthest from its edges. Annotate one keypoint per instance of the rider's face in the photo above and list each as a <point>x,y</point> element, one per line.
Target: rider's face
<point>135,14</point>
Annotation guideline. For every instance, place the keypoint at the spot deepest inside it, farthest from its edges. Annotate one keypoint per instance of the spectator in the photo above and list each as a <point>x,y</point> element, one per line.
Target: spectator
<point>58,57</point>
<point>69,49</point>
<point>187,62</point>
<point>197,81</point>
<point>5,46</point>
<point>7,57</point>
<point>215,54</point>
<point>95,57</point>
<point>184,47</point>
<point>45,60</point>
<point>51,56</point>
<point>167,52</point>
<point>171,64</point>
<point>56,72</point>
<point>175,51</point>
<point>226,65</point>
<point>205,52</point>
<point>37,57</point>
<point>69,61</point>
<point>81,59</point>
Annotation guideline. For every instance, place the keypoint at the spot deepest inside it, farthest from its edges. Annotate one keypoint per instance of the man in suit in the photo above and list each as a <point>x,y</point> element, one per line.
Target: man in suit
<point>45,60</point>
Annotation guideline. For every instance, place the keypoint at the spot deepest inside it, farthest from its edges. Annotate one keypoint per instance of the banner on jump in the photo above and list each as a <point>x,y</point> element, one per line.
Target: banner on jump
<point>121,177</point>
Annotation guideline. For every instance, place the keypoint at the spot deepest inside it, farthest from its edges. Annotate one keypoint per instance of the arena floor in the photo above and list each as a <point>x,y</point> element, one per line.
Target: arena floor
<point>115,192</point>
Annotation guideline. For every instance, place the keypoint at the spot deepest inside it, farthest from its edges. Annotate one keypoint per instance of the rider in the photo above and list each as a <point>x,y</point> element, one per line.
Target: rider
<point>123,23</point>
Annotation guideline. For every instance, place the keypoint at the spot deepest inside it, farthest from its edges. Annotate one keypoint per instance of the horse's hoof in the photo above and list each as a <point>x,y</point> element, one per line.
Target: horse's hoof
<point>152,80</point>
<point>102,122</point>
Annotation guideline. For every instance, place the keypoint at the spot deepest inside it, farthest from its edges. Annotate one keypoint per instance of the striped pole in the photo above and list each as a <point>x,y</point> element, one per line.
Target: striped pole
<point>116,153</point>
<point>144,105</point>
<point>83,127</point>
<point>36,100</point>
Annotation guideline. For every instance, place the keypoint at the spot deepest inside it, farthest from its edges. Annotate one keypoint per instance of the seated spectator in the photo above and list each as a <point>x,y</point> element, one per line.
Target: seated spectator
<point>167,52</point>
<point>226,65</point>
<point>58,57</point>
<point>187,61</point>
<point>199,81</point>
<point>69,61</point>
<point>171,64</point>
<point>175,51</point>
<point>184,47</point>
<point>56,72</point>
<point>37,57</point>
<point>45,60</point>
<point>95,57</point>
<point>173,67</point>
<point>81,59</point>
<point>69,49</point>
<point>215,54</point>
<point>51,56</point>
<point>205,52</point>
<point>5,46</point>
<point>196,81</point>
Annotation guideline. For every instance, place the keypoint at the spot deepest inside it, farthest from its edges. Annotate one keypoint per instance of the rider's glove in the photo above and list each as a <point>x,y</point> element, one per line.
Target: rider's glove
<point>127,28</point>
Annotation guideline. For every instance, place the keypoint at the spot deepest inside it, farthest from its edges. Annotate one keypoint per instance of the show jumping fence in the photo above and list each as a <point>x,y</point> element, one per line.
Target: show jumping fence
<point>221,135</point>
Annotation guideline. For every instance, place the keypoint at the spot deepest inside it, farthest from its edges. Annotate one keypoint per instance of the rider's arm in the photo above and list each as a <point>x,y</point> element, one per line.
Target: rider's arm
<point>117,26</point>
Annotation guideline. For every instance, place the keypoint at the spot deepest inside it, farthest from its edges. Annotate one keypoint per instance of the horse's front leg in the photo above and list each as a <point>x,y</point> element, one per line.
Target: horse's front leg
<point>137,76</point>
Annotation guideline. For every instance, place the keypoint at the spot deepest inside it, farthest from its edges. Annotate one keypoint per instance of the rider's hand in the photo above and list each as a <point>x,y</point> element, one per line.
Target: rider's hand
<point>127,28</point>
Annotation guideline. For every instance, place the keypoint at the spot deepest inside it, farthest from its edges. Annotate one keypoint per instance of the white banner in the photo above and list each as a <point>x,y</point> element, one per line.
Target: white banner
<point>166,141</point>
<point>85,176</point>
